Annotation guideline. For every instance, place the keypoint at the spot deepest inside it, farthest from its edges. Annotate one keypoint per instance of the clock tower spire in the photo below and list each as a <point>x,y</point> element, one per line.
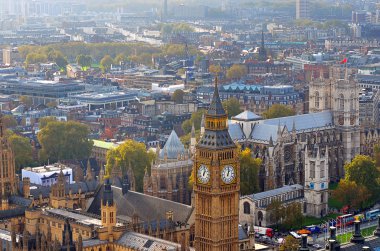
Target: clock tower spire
<point>217,183</point>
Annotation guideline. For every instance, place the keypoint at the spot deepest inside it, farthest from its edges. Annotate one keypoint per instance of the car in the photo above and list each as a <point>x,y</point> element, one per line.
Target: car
<point>317,246</point>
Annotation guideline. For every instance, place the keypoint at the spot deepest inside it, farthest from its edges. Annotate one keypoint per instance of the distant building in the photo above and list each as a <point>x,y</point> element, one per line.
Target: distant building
<point>302,9</point>
<point>47,175</point>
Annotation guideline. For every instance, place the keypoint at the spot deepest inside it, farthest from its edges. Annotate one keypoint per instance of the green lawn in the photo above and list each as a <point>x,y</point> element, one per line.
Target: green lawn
<point>316,221</point>
<point>344,238</point>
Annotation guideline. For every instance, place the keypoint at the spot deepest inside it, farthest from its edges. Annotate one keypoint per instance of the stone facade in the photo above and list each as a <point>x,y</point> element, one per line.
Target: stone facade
<point>170,172</point>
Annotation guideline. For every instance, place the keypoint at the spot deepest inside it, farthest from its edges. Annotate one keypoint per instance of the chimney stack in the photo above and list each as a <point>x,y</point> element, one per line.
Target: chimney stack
<point>304,243</point>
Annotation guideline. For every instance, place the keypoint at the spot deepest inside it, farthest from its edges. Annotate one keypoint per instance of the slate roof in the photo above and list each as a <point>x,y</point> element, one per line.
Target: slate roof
<point>143,242</point>
<point>275,192</point>
<point>247,116</point>
<point>147,207</point>
<point>173,147</point>
<point>263,132</point>
<point>235,131</point>
<point>242,234</point>
<point>11,213</point>
<point>304,121</point>
<point>216,140</point>
<point>85,186</point>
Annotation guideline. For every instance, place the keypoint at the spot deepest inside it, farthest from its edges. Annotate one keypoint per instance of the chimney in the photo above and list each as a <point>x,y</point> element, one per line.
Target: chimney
<point>365,248</point>
<point>332,245</point>
<point>357,236</point>
<point>304,243</point>
<point>377,230</point>
<point>333,237</point>
<point>26,187</point>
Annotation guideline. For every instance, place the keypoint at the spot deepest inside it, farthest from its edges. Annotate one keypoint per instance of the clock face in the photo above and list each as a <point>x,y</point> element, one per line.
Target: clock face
<point>228,174</point>
<point>203,174</point>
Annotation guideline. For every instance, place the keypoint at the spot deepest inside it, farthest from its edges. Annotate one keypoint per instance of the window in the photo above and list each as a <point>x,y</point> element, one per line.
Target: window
<point>316,101</point>
<point>312,170</point>
<point>322,169</point>
<point>341,102</point>
<point>247,208</point>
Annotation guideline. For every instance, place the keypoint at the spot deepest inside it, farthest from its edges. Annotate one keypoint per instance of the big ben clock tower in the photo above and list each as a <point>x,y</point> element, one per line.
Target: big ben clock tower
<point>216,175</point>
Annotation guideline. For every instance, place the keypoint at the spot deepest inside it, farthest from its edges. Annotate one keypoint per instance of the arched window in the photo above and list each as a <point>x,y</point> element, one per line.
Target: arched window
<point>326,101</point>
<point>341,102</point>
<point>247,208</point>
<point>316,101</point>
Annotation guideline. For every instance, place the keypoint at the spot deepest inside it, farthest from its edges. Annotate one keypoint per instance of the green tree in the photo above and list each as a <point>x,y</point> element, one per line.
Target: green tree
<point>293,217</point>
<point>351,194</point>
<point>364,172</point>
<point>177,96</point>
<point>42,122</point>
<point>22,150</point>
<point>237,71</point>
<point>276,212</point>
<point>106,63</point>
<point>196,118</point>
<point>131,154</point>
<point>58,58</point>
<point>232,107</point>
<point>52,104</point>
<point>34,58</point>
<point>278,111</point>
<point>84,61</point>
<point>65,141</point>
<point>9,121</point>
<point>249,170</point>
<point>120,58</point>
<point>290,244</point>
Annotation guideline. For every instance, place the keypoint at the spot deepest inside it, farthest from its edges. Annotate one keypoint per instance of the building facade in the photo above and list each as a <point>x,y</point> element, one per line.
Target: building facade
<point>303,9</point>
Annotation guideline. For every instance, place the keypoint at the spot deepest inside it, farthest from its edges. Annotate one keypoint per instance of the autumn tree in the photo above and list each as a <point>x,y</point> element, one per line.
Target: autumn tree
<point>290,244</point>
<point>58,58</point>
<point>9,121</point>
<point>249,170</point>
<point>177,96</point>
<point>120,58</point>
<point>42,122</point>
<point>22,150</point>
<point>26,101</point>
<point>278,111</point>
<point>131,154</point>
<point>232,107</point>
<point>215,69</point>
<point>64,141</point>
<point>293,217</point>
<point>351,194</point>
<point>237,71</point>
<point>196,118</point>
<point>106,63</point>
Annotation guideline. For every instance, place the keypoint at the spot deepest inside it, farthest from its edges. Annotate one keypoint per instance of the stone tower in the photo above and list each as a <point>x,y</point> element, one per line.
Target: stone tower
<point>8,181</point>
<point>316,181</point>
<point>216,172</point>
<point>108,208</point>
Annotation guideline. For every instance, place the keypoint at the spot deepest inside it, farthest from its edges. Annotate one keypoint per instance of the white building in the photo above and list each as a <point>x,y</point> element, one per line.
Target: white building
<point>47,175</point>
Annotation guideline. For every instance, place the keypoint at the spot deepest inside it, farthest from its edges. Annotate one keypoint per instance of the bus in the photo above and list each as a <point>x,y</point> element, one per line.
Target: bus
<point>264,231</point>
<point>313,229</point>
<point>345,220</point>
<point>373,214</point>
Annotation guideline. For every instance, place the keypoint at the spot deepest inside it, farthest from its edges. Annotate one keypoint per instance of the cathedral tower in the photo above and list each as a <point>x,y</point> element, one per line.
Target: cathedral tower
<point>217,183</point>
<point>8,182</point>
<point>108,209</point>
<point>316,181</point>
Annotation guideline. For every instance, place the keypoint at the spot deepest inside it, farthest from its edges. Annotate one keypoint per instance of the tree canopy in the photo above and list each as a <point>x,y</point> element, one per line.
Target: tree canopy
<point>351,194</point>
<point>196,118</point>
<point>34,58</point>
<point>22,150</point>
<point>278,111</point>
<point>290,244</point>
<point>84,61</point>
<point>42,122</point>
<point>177,96</point>
<point>134,154</point>
<point>363,171</point>
<point>9,121</point>
<point>215,69</point>
<point>236,72</point>
<point>232,107</point>
<point>106,63</point>
<point>249,171</point>
<point>64,141</point>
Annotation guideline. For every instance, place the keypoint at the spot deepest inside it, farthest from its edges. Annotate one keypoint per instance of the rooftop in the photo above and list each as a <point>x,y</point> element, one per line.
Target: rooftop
<point>275,192</point>
<point>247,116</point>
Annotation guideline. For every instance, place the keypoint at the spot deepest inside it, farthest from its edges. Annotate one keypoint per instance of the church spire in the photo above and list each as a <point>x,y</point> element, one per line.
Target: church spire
<point>216,107</point>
